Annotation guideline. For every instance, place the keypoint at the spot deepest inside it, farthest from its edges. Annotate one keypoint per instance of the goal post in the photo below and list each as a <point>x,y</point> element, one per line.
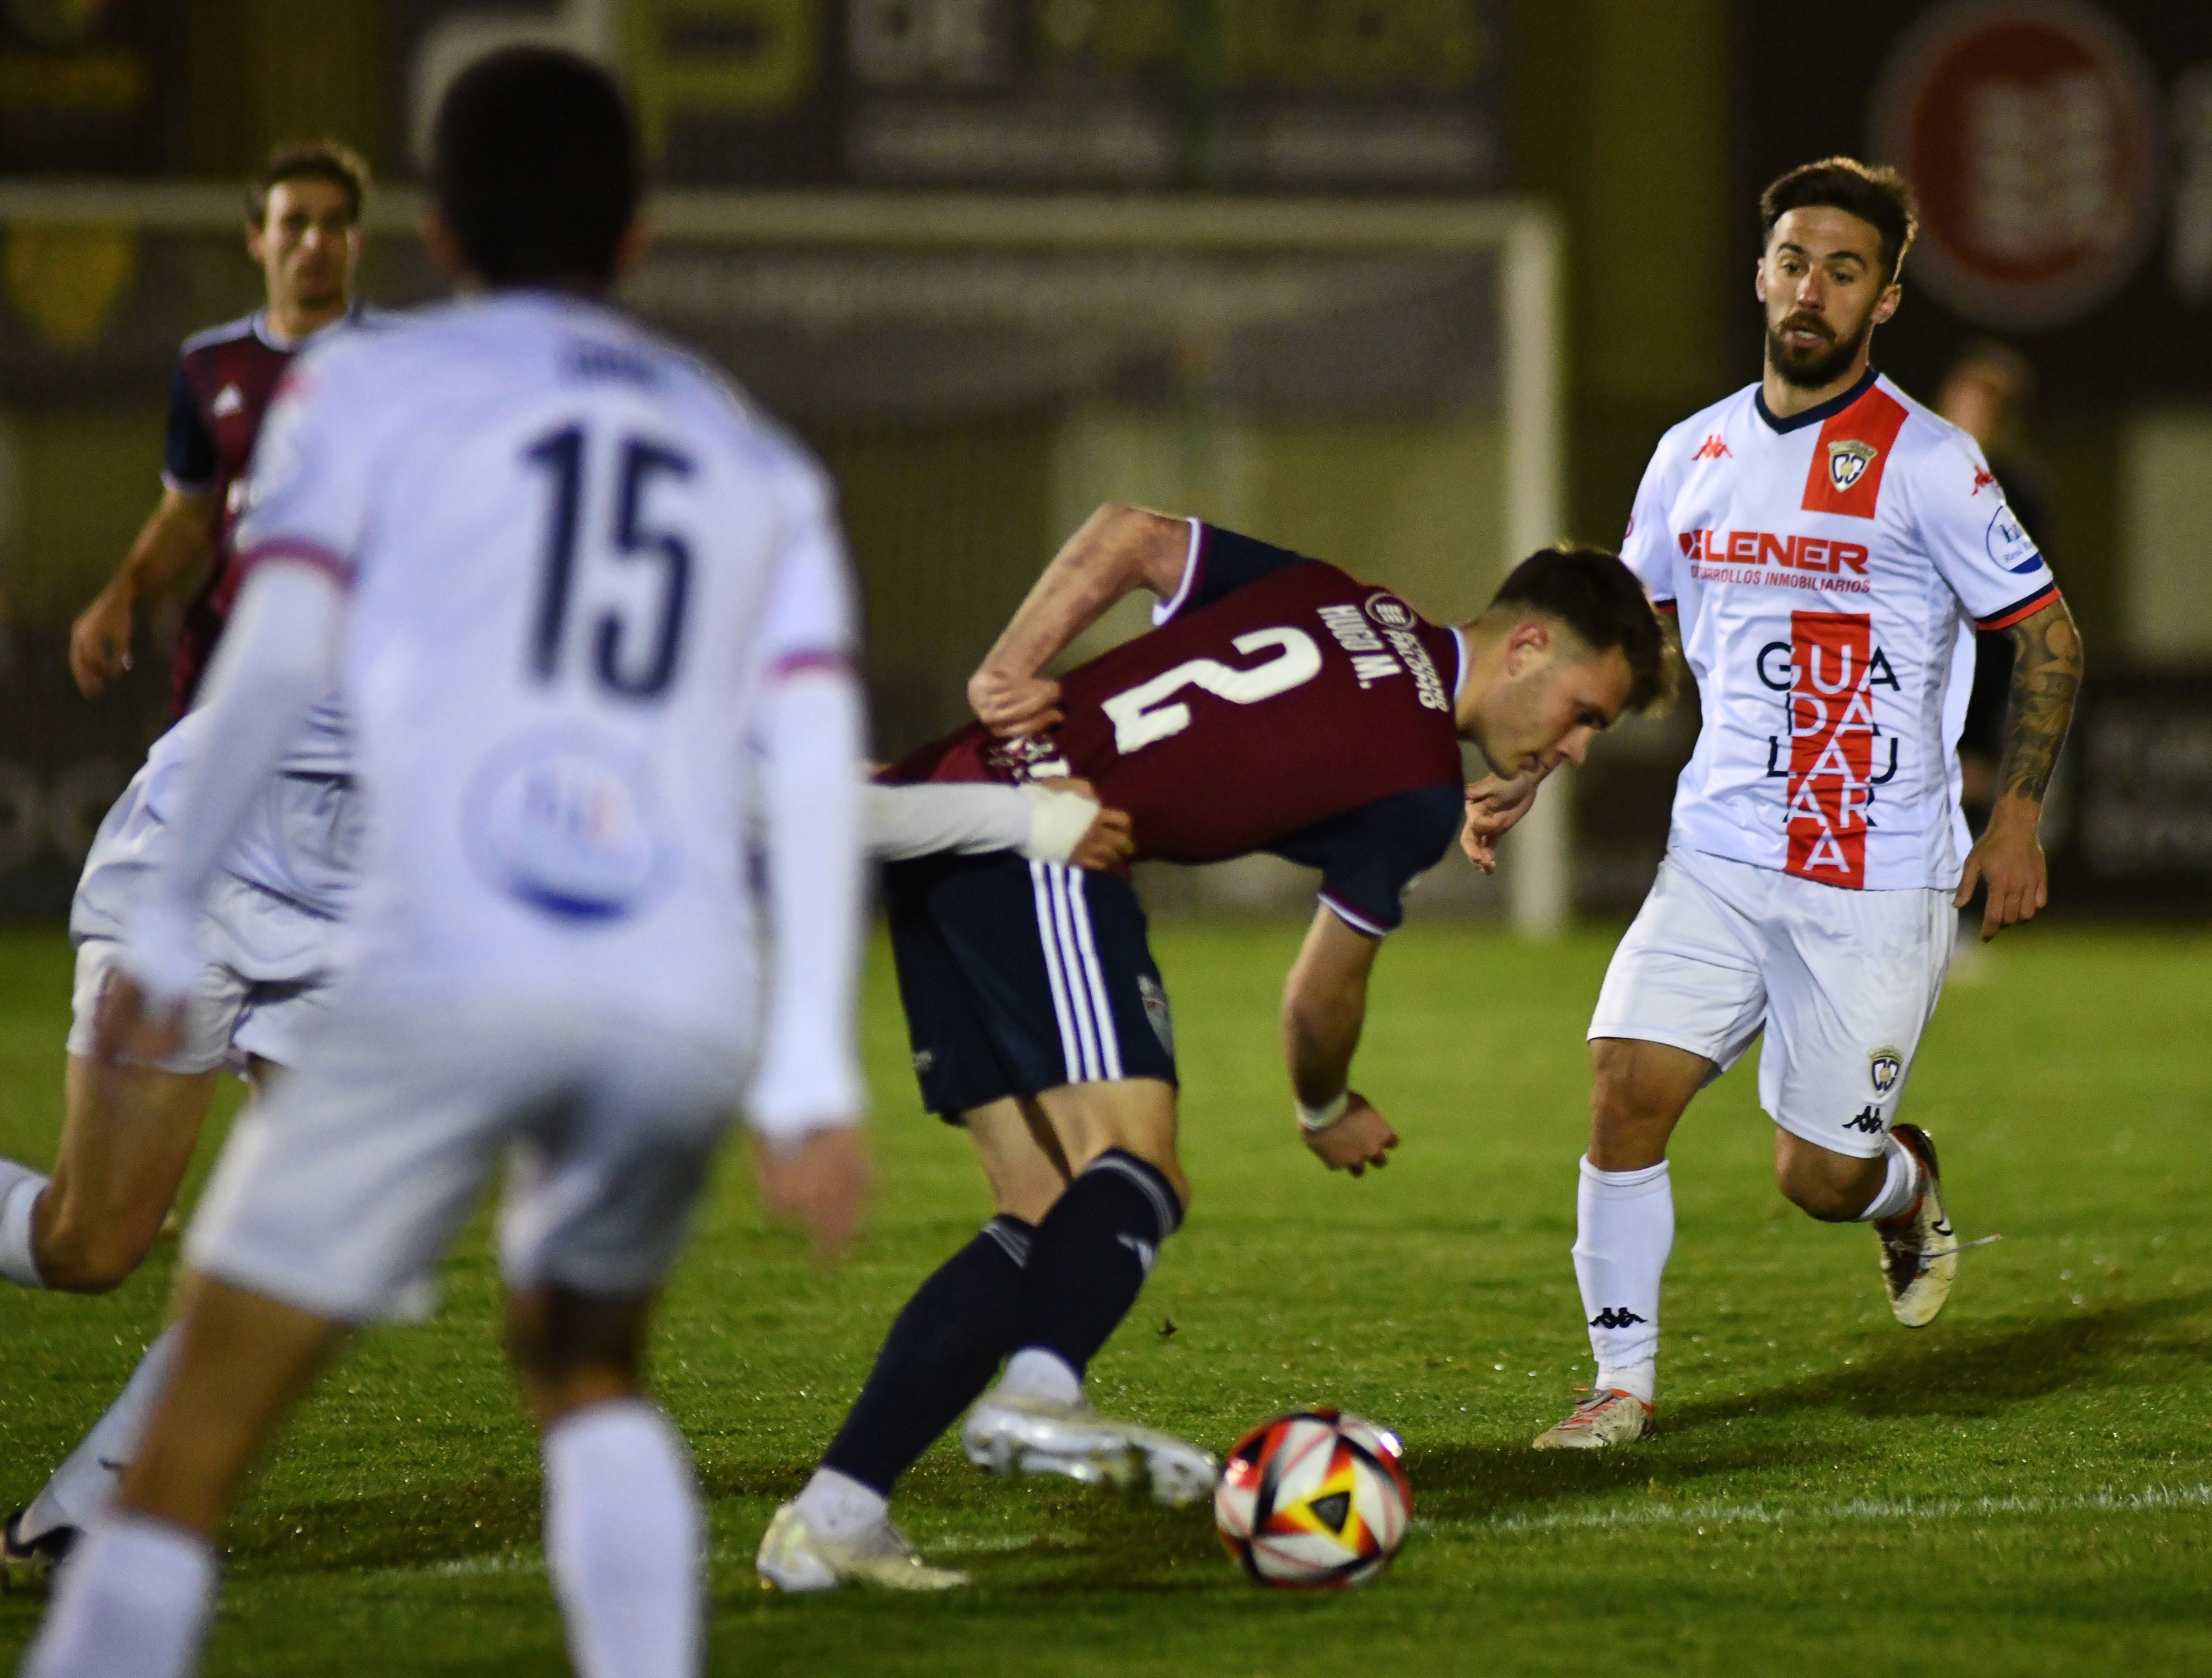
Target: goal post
<point>1377,380</point>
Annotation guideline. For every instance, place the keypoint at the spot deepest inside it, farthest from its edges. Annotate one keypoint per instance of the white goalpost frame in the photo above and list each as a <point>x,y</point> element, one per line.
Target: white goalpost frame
<point>1526,235</point>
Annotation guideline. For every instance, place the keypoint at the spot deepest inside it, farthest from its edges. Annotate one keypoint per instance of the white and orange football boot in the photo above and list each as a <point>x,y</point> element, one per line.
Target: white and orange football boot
<point>1607,1417</point>
<point>1919,1250</point>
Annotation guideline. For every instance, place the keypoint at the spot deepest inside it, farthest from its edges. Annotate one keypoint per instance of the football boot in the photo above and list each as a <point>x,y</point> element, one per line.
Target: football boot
<point>1012,1433</point>
<point>793,1557</point>
<point>1607,1417</point>
<point>1919,1249</point>
<point>27,1565</point>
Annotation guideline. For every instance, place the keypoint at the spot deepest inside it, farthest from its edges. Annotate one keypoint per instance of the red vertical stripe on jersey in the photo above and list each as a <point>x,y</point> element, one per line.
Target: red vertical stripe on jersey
<point>1871,423</point>
<point>1831,747</point>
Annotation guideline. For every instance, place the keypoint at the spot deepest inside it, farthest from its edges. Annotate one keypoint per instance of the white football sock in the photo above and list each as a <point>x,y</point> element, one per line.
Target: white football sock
<point>1900,1187</point>
<point>81,1487</point>
<point>19,1189</point>
<point>839,1507</point>
<point>1034,1372</point>
<point>625,1542</point>
<point>134,1596</point>
<point>1624,1230</point>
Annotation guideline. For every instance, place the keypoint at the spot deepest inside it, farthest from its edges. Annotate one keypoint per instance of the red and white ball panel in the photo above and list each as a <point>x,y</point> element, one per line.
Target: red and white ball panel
<point>1313,1500</point>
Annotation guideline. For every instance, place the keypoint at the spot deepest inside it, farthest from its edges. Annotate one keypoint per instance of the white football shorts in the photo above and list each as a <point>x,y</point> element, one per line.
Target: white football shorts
<point>272,954</point>
<point>339,1191</point>
<point>1841,983</point>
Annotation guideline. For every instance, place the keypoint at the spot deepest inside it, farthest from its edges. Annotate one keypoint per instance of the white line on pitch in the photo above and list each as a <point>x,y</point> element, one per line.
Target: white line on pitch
<point>1858,1509</point>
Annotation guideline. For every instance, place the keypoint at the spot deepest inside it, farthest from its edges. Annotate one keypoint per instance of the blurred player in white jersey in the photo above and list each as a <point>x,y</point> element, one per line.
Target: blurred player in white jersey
<point>1828,547</point>
<point>561,576</point>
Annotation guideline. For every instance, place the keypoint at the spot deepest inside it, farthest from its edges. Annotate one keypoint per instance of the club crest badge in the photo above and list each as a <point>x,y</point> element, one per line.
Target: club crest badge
<point>1885,1065</point>
<point>1156,1009</point>
<point>1848,461</point>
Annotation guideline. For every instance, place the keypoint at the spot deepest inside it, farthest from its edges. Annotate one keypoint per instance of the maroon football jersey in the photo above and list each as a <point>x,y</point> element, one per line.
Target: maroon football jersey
<point>1274,705</point>
<point>225,377</point>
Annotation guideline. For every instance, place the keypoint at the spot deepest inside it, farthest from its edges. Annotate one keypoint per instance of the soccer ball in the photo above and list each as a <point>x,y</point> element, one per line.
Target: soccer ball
<point>1314,1500</point>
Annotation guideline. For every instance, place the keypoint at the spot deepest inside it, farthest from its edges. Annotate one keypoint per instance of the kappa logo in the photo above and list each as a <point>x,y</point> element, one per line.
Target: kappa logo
<point>924,1059</point>
<point>1713,448</point>
<point>1616,1317</point>
<point>1983,478</point>
<point>1885,1065</point>
<point>1848,461</point>
<point>1867,1121</point>
<point>1145,1250</point>
<point>227,401</point>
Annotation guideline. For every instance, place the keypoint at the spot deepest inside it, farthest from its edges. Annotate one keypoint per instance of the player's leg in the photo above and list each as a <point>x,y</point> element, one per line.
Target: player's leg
<point>941,1352</point>
<point>1681,1001</point>
<point>1853,977</point>
<point>140,1586</point>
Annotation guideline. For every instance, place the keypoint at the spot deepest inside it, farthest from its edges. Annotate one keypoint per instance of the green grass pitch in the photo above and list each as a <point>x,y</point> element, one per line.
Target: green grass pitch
<point>2024,1488</point>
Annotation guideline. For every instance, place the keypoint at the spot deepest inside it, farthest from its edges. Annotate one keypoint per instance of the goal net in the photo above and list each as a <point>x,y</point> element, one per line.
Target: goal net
<point>1376,383</point>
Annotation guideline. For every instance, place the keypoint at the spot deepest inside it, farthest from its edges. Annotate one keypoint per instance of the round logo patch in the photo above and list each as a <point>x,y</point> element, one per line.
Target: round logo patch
<point>2009,544</point>
<point>1390,612</point>
<point>567,823</point>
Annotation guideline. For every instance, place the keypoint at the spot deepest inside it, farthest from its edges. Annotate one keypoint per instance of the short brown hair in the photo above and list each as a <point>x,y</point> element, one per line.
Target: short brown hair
<point>1875,193</point>
<point>311,160</point>
<point>1598,598</point>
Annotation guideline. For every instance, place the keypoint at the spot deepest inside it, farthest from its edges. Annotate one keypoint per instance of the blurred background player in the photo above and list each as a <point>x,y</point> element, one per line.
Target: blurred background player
<point>1829,547</point>
<point>1278,705</point>
<point>303,230</point>
<point>554,943</point>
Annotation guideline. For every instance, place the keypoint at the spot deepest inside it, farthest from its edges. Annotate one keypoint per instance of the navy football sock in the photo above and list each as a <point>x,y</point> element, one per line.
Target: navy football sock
<point>1092,1253</point>
<point>940,1353</point>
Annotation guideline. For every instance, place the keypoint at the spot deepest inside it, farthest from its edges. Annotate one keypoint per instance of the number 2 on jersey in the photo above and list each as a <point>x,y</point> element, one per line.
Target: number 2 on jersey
<point>1143,714</point>
<point>562,453</point>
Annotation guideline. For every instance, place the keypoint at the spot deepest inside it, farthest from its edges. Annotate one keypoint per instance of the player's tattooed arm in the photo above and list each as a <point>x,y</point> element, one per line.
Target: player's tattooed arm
<point>2046,676</point>
<point>1118,550</point>
<point>2007,860</point>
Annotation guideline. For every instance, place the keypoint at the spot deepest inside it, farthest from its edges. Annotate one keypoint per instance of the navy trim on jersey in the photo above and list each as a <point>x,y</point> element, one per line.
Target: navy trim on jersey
<point>1194,561</point>
<point>1369,855</point>
<point>244,326</point>
<point>2027,606</point>
<point>1228,561</point>
<point>1828,410</point>
<point>188,452</point>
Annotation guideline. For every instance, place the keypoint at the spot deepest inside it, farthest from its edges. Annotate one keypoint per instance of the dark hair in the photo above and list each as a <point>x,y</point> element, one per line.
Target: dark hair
<point>1598,598</point>
<point>309,160</point>
<point>534,162</point>
<point>1877,194</point>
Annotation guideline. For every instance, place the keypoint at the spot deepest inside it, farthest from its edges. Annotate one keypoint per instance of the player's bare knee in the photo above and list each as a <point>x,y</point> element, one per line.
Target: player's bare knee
<point>1832,1188</point>
<point>73,1258</point>
<point>1630,1117</point>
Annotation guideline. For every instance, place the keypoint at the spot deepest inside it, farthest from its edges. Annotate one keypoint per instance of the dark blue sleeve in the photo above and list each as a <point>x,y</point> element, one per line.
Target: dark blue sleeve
<point>1225,562</point>
<point>1368,856</point>
<point>188,458</point>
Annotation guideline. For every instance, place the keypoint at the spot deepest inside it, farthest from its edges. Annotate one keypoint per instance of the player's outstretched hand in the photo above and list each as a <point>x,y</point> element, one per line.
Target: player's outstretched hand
<point>1493,807</point>
<point>1013,707</point>
<point>819,1181</point>
<point>2007,859</point>
<point>1108,841</point>
<point>100,643</point>
<point>1363,1137</point>
<point>123,1029</point>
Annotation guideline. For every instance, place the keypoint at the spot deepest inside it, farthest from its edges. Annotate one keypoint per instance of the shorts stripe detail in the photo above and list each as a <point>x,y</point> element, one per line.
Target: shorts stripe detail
<point>1109,1040</point>
<point>1070,962</point>
<point>1165,1206</point>
<point>1352,918</point>
<point>1048,941</point>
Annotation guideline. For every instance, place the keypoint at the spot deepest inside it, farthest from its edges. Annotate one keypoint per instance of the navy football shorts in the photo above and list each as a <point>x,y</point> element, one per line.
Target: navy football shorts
<point>1018,977</point>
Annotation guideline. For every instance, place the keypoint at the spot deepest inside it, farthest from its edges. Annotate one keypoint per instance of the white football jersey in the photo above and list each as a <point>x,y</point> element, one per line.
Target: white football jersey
<point>576,557</point>
<point>1830,570</point>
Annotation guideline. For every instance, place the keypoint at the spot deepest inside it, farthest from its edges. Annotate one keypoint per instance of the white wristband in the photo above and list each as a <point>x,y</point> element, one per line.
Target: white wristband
<point>1311,1119</point>
<point>1058,820</point>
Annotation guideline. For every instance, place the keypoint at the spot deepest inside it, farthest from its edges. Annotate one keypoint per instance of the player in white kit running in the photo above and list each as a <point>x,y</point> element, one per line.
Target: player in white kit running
<point>568,583</point>
<point>1828,547</point>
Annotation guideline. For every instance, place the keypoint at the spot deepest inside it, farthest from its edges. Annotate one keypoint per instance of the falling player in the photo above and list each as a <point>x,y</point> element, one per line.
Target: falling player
<point>1279,705</point>
<point>1828,547</point>
<point>563,575</point>
<point>303,232</point>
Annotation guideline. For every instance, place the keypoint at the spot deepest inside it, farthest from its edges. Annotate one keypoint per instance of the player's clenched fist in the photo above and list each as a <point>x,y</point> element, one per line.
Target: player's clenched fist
<point>1361,1137</point>
<point>1493,807</point>
<point>1012,706</point>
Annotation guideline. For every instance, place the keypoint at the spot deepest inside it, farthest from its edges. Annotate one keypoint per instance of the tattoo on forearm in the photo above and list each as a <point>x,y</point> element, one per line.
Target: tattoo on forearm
<point>2046,674</point>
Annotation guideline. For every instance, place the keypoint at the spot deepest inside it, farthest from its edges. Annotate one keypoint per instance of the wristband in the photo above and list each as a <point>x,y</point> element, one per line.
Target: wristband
<point>1312,1119</point>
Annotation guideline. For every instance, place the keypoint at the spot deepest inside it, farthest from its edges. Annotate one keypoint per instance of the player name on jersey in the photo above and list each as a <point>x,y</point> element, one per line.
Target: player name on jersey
<point>1829,569</point>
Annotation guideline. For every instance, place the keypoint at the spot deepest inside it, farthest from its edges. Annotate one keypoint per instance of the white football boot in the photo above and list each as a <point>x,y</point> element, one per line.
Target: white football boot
<point>1607,1417</point>
<point>1012,1433</point>
<point>793,1557</point>
<point>1919,1249</point>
